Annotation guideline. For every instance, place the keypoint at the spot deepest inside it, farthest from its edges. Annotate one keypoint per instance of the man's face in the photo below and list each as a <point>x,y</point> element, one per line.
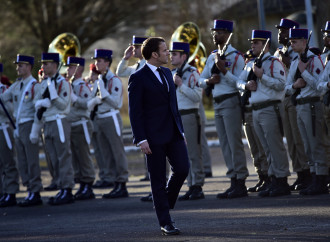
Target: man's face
<point>298,45</point>
<point>101,64</point>
<point>326,39</point>
<point>23,70</point>
<point>49,68</point>
<point>219,36</point>
<point>70,71</point>
<point>283,36</point>
<point>176,58</point>
<point>137,51</point>
<point>256,46</point>
<point>163,53</point>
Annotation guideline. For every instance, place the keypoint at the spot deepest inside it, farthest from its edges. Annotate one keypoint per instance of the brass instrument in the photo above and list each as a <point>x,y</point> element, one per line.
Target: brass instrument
<point>189,32</point>
<point>66,44</point>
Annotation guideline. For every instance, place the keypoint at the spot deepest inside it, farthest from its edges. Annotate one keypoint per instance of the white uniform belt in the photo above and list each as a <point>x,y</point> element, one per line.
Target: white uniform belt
<point>83,122</point>
<point>112,114</point>
<point>24,120</point>
<point>107,114</point>
<point>54,117</point>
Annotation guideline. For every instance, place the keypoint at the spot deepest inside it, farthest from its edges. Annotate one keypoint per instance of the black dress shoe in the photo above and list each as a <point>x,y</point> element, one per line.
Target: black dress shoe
<point>118,192</point>
<point>147,198</point>
<point>169,229</point>
<point>8,201</point>
<point>65,197</point>
<point>146,178</point>
<point>103,184</point>
<point>33,199</point>
<point>51,187</point>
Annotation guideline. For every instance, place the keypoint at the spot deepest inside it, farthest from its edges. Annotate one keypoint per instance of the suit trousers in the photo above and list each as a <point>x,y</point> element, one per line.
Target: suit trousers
<point>196,174</point>
<point>165,195</point>
<point>228,121</point>
<point>28,159</point>
<point>81,157</point>
<point>266,125</point>
<point>60,153</point>
<point>295,144</point>
<point>326,133</point>
<point>9,173</point>
<point>314,145</point>
<point>112,149</point>
<point>258,155</point>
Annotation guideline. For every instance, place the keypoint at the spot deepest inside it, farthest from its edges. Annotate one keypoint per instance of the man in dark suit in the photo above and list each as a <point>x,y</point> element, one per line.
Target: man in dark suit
<point>157,128</point>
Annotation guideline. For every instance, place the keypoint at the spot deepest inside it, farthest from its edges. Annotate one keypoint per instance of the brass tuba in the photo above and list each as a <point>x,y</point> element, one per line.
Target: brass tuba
<point>66,44</point>
<point>189,32</point>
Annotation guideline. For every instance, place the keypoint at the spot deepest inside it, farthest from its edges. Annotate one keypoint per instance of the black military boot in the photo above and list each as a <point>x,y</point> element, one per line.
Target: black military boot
<point>298,181</point>
<point>231,188</point>
<point>239,190</point>
<point>269,186</point>
<point>80,190</point>
<point>282,188</point>
<point>8,200</point>
<point>197,193</point>
<point>319,186</point>
<point>305,180</point>
<point>3,196</point>
<point>86,193</point>
<point>186,196</point>
<point>119,191</point>
<point>65,197</point>
<point>259,183</point>
<point>34,199</point>
<point>311,185</point>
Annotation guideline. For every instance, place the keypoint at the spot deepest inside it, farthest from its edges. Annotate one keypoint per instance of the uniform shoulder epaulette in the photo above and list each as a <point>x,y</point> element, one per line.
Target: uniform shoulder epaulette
<point>280,47</point>
<point>173,69</point>
<point>192,68</point>
<point>214,51</point>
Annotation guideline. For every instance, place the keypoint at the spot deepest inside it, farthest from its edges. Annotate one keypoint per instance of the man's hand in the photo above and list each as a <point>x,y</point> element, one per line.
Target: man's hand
<point>221,64</point>
<point>299,83</point>
<point>214,79</point>
<point>128,52</point>
<point>286,60</point>
<point>302,66</point>
<point>258,71</point>
<point>145,148</point>
<point>251,85</point>
<point>177,80</point>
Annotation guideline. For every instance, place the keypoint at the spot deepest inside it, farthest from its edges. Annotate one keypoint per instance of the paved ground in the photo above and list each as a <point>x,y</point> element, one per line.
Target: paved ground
<point>289,218</point>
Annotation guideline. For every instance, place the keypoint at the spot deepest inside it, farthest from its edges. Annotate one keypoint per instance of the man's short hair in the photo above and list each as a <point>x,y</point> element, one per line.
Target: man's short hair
<point>151,45</point>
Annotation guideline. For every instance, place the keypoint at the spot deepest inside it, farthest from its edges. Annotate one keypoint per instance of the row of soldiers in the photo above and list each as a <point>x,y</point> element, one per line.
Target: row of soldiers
<point>72,116</point>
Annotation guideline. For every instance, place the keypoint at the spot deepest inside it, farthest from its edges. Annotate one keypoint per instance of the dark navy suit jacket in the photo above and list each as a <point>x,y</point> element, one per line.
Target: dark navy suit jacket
<point>153,112</point>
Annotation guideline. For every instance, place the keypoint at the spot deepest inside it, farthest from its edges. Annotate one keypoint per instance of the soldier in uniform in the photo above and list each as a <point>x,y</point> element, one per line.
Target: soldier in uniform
<point>108,93</point>
<point>267,93</point>
<point>9,174</point>
<point>53,106</point>
<point>291,130</point>
<point>223,74</point>
<point>189,95</point>
<point>22,94</point>
<point>81,129</point>
<point>309,108</point>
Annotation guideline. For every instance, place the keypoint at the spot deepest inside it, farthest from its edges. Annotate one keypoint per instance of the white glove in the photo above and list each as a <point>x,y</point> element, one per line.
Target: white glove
<point>74,97</point>
<point>52,89</point>
<point>35,132</point>
<point>42,103</point>
<point>102,90</point>
<point>94,101</point>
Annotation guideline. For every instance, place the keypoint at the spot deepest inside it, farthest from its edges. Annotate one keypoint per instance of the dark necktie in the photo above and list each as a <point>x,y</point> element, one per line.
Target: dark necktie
<point>21,86</point>
<point>137,66</point>
<point>161,74</point>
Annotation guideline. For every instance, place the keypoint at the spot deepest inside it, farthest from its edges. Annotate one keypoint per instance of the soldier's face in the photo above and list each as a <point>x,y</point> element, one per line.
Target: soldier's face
<point>101,64</point>
<point>176,58</point>
<point>70,71</point>
<point>23,70</point>
<point>49,68</point>
<point>326,39</point>
<point>298,45</point>
<point>219,36</point>
<point>283,36</point>
<point>256,46</point>
<point>137,51</point>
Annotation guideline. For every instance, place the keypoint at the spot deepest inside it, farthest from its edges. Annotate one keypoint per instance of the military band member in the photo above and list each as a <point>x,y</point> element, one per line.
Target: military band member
<point>81,129</point>
<point>22,93</point>
<point>54,98</point>
<point>227,106</point>
<point>109,90</point>
<point>134,50</point>
<point>189,95</point>
<point>291,130</point>
<point>267,93</point>
<point>9,174</point>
